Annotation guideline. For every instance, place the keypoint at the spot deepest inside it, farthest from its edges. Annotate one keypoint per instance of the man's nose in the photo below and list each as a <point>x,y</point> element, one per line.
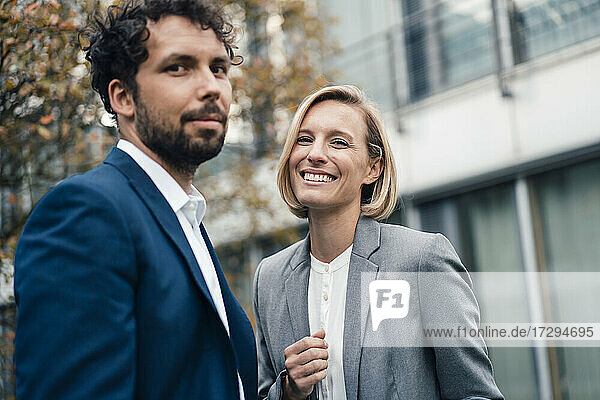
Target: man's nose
<point>208,86</point>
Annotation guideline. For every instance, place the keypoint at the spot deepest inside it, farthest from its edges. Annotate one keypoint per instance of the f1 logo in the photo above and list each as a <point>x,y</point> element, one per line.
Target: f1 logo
<point>389,300</point>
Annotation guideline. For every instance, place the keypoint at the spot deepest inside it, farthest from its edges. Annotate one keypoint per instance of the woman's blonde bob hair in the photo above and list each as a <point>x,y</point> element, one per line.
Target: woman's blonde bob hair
<point>378,198</point>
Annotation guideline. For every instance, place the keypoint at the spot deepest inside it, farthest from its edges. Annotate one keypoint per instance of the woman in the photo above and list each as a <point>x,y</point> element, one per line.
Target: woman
<point>337,170</point>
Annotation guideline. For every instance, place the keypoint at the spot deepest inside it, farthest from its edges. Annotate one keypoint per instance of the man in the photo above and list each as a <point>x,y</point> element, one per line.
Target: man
<point>119,292</point>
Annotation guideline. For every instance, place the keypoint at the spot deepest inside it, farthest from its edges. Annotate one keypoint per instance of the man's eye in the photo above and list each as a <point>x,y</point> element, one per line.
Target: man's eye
<point>304,140</point>
<point>177,68</point>
<point>219,69</point>
<point>339,143</point>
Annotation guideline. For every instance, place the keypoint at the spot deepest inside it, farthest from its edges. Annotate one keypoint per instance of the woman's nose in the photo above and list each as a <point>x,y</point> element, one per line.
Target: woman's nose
<point>317,153</point>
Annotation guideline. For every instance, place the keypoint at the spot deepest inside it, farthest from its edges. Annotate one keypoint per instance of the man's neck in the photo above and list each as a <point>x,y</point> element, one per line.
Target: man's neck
<point>183,179</point>
<point>332,232</point>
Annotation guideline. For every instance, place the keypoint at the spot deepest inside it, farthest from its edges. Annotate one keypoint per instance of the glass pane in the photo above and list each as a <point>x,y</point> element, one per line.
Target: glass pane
<point>368,64</point>
<point>415,41</point>
<point>568,210</point>
<point>465,29</point>
<point>488,241</point>
<point>541,26</point>
<point>491,243</point>
<point>364,33</point>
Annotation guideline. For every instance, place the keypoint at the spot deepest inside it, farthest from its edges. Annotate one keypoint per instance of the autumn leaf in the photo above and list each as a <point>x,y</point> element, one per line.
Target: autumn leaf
<point>54,19</point>
<point>32,7</point>
<point>47,118</point>
<point>65,129</point>
<point>44,132</point>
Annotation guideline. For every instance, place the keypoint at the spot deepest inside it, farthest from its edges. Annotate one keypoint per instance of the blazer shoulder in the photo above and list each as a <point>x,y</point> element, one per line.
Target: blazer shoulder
<point>102,187</point>
<point>105,179</point>
<point>401,241</point>
<point>406,235</point>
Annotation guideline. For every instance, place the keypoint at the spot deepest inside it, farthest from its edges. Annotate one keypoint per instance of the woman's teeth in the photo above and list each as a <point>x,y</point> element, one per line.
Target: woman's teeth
<point>317,177</point>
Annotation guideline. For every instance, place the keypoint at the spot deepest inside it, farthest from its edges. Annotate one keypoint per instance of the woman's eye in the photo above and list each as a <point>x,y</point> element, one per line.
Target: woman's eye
<point>339,143</point>
<point>304,140</point>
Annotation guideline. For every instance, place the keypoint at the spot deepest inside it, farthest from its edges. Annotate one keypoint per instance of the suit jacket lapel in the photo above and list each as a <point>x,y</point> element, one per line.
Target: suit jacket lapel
<point>231,305</point>
<point>235,313</point>
<point>296,290</point>
<point>159,207</point>
<point>366,241</point>
<point>240,329</point>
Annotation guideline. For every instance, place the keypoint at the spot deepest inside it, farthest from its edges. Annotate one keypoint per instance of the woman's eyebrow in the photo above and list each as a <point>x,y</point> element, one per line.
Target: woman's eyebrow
<point>334,132</point>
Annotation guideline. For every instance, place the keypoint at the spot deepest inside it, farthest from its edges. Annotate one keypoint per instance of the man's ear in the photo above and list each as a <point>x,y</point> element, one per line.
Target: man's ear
<point>121,99</point>
<point>376,168</point>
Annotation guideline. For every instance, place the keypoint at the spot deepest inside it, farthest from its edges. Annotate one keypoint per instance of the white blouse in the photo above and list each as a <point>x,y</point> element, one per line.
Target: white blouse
<point>326,310</point>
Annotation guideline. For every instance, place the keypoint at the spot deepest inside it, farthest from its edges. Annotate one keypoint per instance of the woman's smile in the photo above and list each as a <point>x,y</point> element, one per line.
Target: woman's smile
<point>317,177</point>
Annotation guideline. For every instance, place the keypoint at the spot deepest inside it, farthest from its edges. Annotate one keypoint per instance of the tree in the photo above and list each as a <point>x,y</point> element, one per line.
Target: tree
<point>285,43</point>
<point>48,111</point>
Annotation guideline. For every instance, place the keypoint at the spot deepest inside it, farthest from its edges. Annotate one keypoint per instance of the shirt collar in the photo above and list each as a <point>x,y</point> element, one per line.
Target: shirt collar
<point>166,184</point>
<point>340,261</point>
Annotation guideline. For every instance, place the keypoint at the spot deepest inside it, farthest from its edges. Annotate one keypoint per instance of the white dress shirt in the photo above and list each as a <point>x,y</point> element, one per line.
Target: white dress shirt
<point>190,210</point>
<point>326,310</point>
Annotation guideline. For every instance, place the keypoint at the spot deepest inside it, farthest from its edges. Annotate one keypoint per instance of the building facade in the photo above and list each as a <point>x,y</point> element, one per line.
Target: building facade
<point>493,111</point>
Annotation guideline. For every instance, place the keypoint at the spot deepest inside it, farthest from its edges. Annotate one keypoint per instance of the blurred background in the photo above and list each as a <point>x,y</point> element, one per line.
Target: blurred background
<point>492,108</point>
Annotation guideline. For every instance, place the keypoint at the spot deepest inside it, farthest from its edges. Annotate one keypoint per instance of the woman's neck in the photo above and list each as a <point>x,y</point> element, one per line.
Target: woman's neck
<point>331,232</point>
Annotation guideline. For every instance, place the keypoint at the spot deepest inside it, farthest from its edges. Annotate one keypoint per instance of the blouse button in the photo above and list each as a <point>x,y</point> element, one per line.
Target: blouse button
<point>325,297</point>
<point>327,268</point>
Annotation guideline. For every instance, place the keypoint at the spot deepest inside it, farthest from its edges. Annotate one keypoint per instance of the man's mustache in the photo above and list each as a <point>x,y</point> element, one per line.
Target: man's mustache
<point>210,110</point>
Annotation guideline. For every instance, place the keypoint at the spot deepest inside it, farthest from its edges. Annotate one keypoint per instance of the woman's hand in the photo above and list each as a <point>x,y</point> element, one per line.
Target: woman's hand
<point>306,365</point>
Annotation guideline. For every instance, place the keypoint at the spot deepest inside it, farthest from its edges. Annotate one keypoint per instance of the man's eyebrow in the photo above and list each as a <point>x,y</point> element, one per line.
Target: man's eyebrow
<point>179,57</point>
<point>221,60</point>
<point>176,57</point>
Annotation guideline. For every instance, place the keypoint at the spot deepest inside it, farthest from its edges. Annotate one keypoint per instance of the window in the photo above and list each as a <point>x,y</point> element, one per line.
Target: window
<point>567,216</point>
<point>467,42</point>
<point>542,26</point>
<point>482,225</point>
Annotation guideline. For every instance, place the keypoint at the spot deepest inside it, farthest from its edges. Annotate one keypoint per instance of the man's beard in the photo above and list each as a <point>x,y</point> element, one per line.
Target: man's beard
<point>170,143</point>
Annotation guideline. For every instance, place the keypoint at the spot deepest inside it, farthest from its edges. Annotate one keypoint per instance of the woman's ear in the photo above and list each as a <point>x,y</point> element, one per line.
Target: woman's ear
<point>375,170</point>
<point>121,100</point>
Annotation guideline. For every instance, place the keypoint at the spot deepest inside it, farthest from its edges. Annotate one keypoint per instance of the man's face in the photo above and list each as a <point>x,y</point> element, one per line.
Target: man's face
<point>184,93</point>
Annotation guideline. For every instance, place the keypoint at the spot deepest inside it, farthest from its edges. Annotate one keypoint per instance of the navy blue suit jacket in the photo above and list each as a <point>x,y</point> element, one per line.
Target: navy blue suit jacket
<point>111,303</point>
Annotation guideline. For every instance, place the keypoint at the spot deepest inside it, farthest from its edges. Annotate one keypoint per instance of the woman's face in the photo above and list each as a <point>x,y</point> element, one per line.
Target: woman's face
<point>329,162</point>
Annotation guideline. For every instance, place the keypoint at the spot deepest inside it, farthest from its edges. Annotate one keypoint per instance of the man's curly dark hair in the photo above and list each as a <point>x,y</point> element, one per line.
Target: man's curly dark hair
<point>117,40</point>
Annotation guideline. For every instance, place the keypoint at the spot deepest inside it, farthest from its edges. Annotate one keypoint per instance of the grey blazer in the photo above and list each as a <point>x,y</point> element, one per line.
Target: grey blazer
<point>281,310</point>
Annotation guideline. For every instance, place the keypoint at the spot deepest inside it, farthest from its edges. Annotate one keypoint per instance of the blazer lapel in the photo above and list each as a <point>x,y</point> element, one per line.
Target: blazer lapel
<point>366,241</point>
<point>296,290</point>
<point>162,211</point>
